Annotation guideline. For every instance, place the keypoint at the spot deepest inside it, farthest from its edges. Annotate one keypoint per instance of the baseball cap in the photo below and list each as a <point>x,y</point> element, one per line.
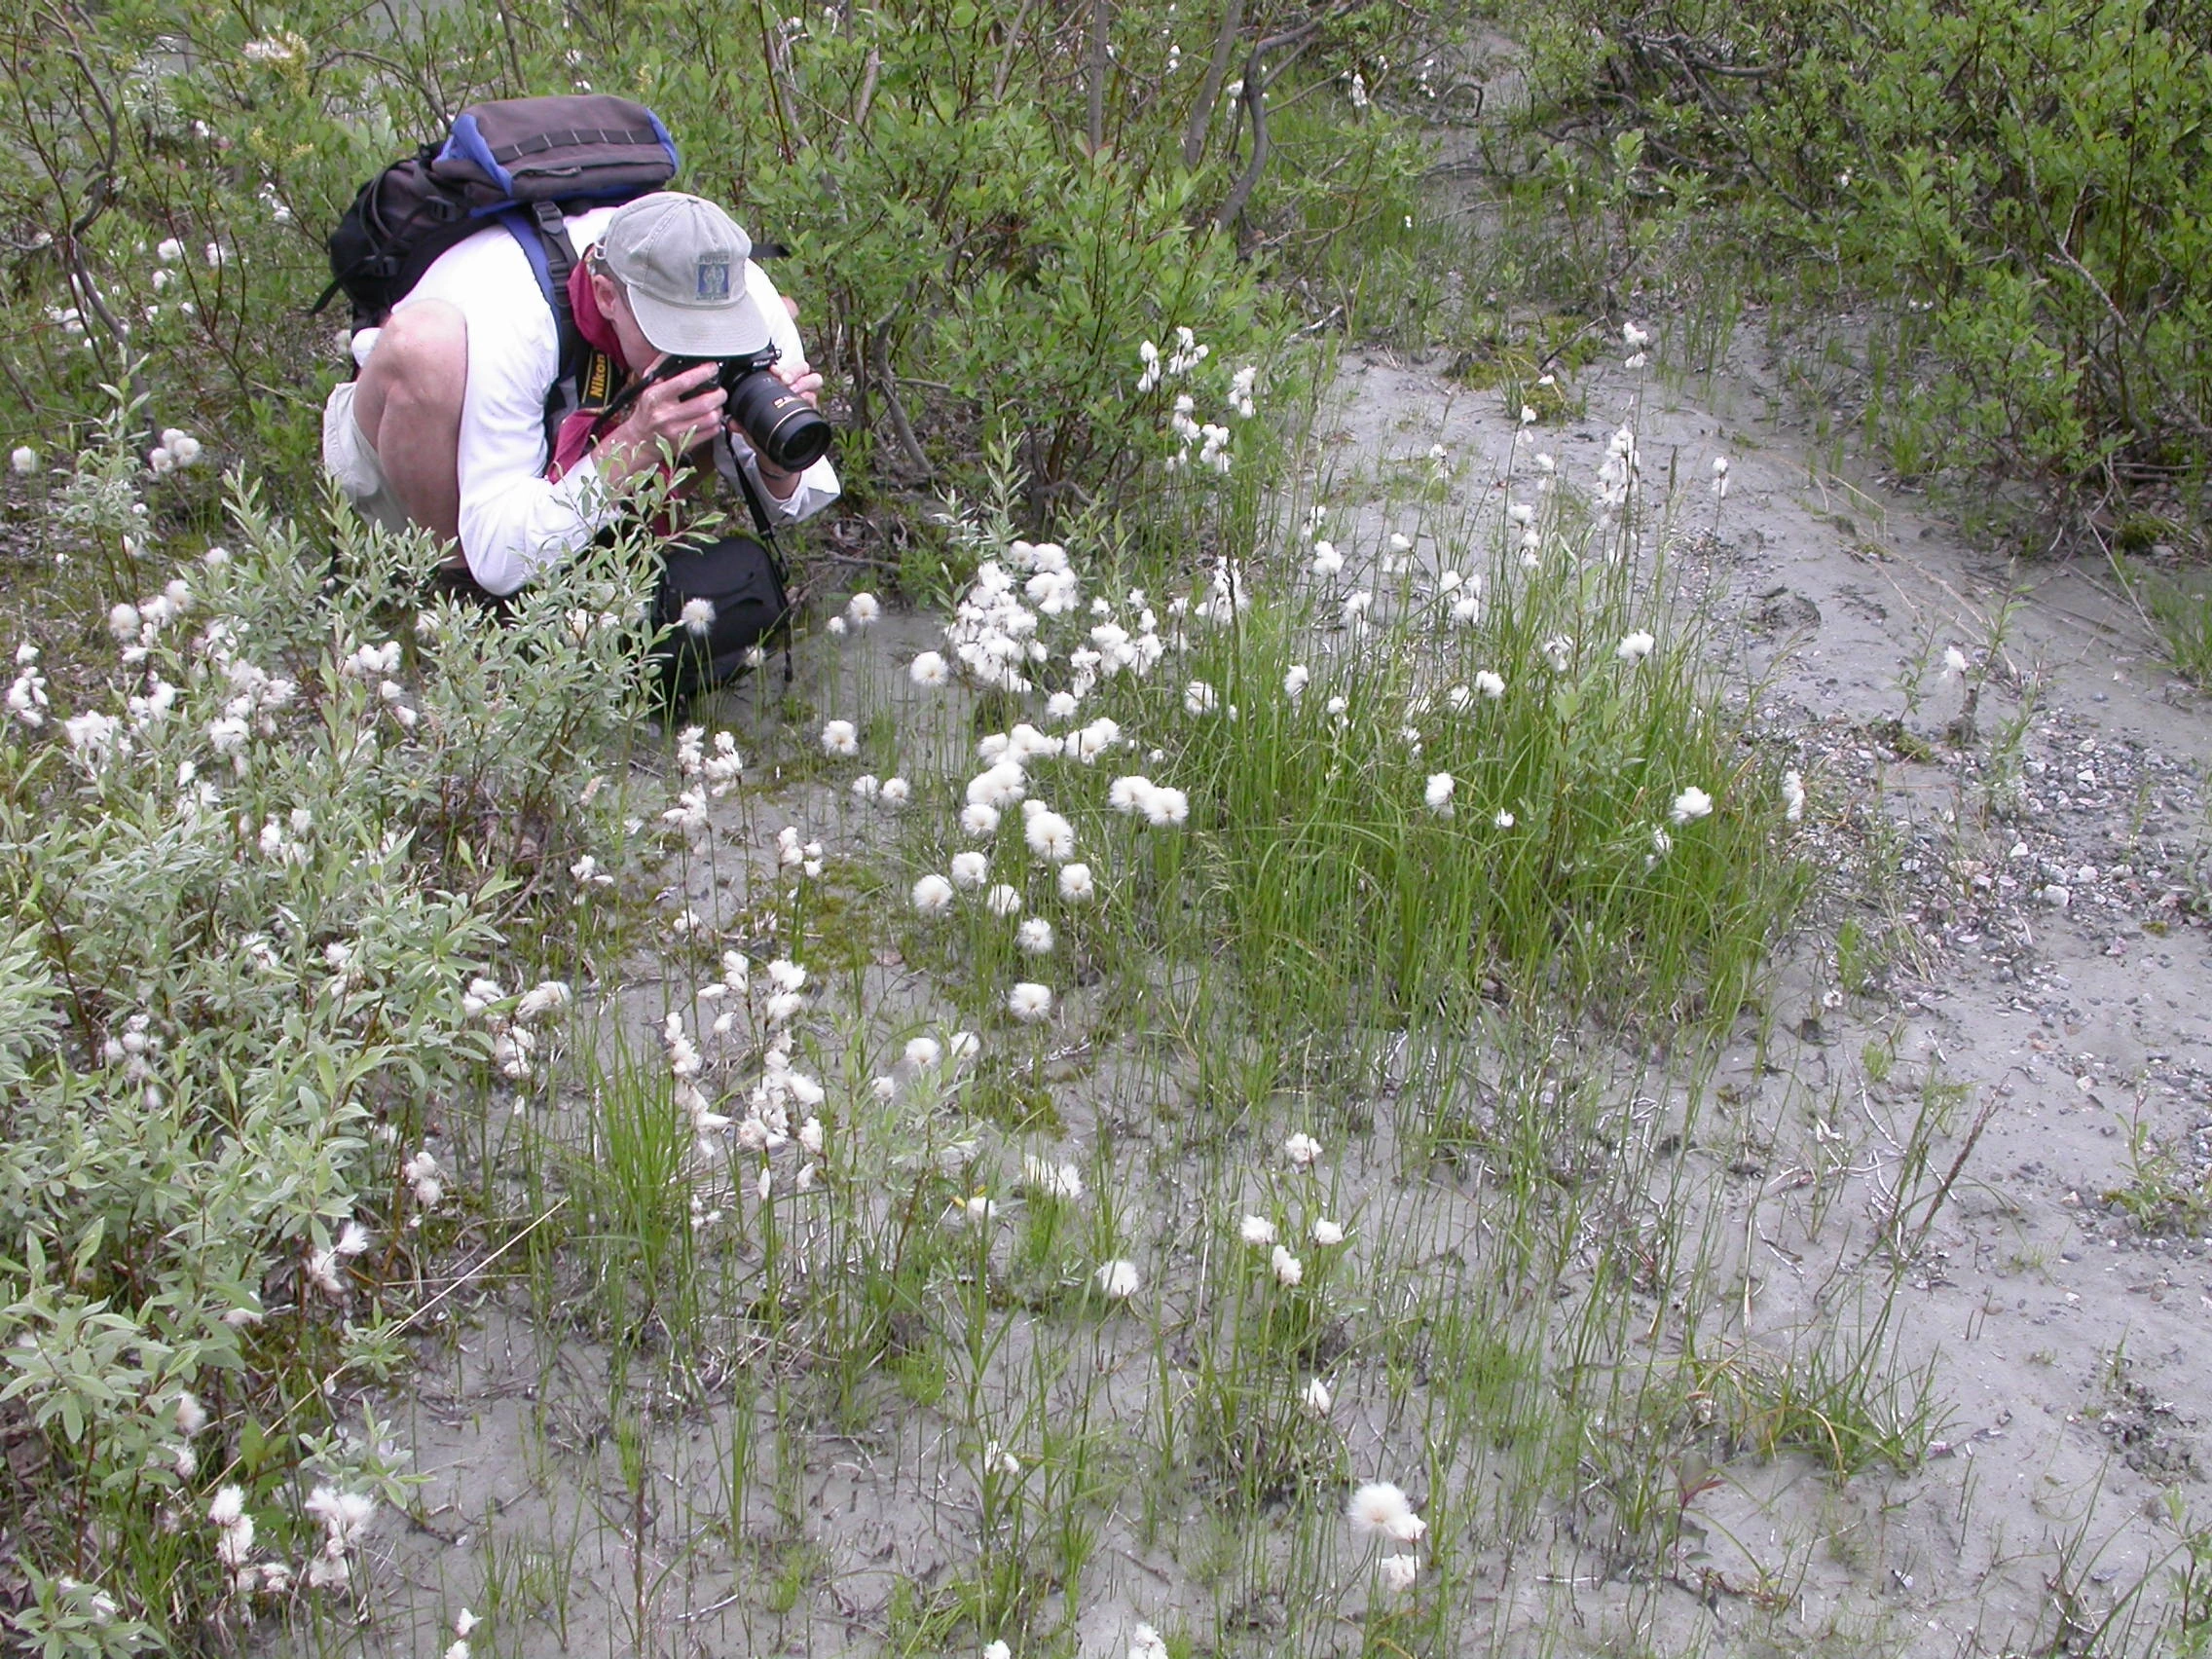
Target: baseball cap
<point>683,262</point>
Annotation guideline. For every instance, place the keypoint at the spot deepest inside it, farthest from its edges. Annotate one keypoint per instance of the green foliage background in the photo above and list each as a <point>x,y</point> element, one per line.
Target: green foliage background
<point>2024,185</point>
<point>972,268</point>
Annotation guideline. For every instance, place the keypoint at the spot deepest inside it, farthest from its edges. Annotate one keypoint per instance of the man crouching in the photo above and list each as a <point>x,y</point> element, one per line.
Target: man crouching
<point>445,428</point>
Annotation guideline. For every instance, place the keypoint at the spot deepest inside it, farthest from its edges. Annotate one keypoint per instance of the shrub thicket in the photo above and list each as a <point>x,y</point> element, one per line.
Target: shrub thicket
<point>2027,184</point>
<point>978,240</point>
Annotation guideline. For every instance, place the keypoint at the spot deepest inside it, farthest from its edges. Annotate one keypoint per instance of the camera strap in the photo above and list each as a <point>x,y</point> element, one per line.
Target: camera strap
<point>760,523</point>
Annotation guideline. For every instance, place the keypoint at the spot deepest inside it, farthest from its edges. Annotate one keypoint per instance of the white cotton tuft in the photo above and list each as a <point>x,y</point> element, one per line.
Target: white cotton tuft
<point>1692,805</point>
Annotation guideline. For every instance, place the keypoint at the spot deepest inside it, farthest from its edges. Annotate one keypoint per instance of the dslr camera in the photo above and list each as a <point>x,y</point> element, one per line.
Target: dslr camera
<point>783,427</point>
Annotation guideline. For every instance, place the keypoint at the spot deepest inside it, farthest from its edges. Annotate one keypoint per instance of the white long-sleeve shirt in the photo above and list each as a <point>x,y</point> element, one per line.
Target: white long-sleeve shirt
<point>513,520</point>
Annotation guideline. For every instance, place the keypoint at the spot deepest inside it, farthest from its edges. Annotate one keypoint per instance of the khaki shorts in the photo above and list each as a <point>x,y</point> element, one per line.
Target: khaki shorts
<point>348,458</point>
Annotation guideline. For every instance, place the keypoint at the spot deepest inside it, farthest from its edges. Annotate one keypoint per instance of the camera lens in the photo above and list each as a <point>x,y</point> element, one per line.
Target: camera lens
<point>787,431</point>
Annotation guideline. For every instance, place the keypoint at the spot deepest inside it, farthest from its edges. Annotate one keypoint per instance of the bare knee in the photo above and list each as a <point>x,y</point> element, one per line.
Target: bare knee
<point>420,368</point>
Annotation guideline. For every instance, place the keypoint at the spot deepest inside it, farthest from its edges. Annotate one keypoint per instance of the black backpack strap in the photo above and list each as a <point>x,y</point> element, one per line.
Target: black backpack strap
<point>560,262</point>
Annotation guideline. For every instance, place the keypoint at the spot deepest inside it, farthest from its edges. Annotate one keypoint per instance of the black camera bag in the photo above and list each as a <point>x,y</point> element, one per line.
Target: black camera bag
<point>742,579</point>
<point>745,584</point>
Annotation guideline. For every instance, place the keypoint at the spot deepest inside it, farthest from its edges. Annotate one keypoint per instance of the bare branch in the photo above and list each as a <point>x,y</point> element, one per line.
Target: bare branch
<point>1102,18</point>
<point>1201,121</point>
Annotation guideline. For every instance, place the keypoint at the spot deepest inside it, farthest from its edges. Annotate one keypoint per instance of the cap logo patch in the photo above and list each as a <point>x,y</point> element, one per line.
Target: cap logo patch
<point>713,278</point>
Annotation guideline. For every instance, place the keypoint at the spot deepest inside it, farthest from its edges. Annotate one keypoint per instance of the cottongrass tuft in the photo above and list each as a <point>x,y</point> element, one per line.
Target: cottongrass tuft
<point>1046,1179</point>
<point>1076,884</point>
<point>543,1001</point>
<point>977,1209</point>
<point>1164,807</point>
<point>933,895</point>
<point>1379,1507</point>
<point>422,1174</point>
<point>345,1516</point>
<point>1095,740</point>
<point>1002,787</point>
<point>1692,805</point>
<point>840,737</point>
<point>1127,794</point>
<point>1029,1002</point>
<point>322,1267</point>
<point>1256,1230</point>
<point>234,1528</point>
<point>1050,836</point>
<point>1118,1279</point>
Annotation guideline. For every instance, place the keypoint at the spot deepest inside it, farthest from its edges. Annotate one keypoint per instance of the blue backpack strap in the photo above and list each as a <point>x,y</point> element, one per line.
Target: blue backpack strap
<point>542,232</point>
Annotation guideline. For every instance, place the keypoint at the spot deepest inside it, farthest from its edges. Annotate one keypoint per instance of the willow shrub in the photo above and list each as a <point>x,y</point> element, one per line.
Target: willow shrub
<point>253,869</point>
<point>2027,184</point>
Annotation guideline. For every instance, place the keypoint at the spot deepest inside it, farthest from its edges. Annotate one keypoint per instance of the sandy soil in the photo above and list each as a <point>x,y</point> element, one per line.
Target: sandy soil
<point>2025,895</point>
<point>2010,928</point>
<point>2041,879</point>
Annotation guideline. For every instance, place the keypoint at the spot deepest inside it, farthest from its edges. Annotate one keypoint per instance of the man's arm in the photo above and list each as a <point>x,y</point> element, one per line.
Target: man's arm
<point>513,520</point>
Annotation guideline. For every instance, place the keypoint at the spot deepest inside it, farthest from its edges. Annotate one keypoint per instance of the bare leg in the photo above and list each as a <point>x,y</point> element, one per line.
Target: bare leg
<point>409,410</point>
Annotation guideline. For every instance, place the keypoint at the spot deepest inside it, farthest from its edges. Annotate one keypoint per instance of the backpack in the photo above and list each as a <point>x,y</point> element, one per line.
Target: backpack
<point>521,162</point>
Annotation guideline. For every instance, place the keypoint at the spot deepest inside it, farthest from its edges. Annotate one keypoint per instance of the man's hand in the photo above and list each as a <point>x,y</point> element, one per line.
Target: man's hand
<point>801,379</point>
<point>684,410</point>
